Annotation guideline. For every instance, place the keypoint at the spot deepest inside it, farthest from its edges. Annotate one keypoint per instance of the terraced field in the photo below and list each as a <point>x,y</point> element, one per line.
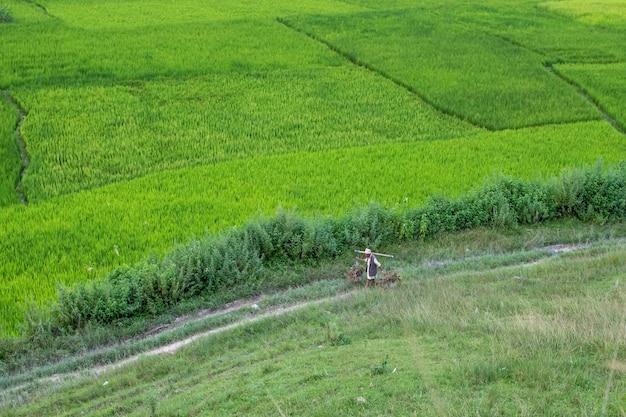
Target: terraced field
<point>147,123</point>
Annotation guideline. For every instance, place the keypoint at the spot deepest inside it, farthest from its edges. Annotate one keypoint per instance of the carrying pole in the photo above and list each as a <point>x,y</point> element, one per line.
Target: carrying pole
<point>375,253</point>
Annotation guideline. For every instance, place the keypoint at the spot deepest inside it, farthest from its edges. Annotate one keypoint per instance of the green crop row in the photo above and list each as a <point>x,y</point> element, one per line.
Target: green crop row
<point>483,64</point>
<point>79,237</point>
<point>108,134</point>
<point>107,56</point>
<point>120,14</point>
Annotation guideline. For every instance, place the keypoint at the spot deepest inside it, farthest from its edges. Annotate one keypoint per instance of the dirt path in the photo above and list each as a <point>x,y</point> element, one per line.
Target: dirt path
<point>173,347</point>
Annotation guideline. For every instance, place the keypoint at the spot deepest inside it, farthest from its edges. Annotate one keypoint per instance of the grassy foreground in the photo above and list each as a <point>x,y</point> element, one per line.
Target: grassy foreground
<point>485,322</point>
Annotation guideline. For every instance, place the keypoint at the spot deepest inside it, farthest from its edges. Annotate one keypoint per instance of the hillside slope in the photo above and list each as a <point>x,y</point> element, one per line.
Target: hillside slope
<point>486,322</point>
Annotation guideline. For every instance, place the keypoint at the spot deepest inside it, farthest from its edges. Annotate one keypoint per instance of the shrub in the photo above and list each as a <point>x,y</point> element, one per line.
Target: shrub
<point>371,226</point>
<point>5,15</point>
<point>592,194</point>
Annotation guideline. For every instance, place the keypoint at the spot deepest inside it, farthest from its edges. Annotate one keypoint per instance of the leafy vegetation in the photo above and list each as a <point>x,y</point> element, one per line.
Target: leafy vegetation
<point>149,123</point>
<point>96,231</point>
<point>5,15</point>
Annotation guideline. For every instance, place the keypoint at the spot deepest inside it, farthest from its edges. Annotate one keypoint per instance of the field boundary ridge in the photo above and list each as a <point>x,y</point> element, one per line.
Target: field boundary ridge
<point>21,145</point>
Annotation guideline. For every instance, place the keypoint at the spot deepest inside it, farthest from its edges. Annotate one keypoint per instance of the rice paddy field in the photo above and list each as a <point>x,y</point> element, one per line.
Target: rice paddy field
<point>127,127</point>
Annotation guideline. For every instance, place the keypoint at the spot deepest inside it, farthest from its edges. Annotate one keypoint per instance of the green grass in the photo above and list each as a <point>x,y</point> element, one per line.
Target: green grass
<point>535,336</point>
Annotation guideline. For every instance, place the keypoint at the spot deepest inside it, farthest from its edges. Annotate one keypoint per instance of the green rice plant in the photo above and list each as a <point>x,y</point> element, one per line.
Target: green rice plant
<point>143,45</point>
<point>23,14</point>
<point>596,13</point>
<point>563,40</point>
<point>151,12</point>
<point>108,134</point>
<point>462,67</point>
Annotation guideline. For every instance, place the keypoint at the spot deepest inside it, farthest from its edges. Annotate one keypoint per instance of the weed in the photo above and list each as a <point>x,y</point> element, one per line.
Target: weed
<point>380,369</point>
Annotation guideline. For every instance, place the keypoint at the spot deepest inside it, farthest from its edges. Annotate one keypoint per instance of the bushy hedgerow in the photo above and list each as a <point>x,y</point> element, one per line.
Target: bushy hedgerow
<point>241,257</point>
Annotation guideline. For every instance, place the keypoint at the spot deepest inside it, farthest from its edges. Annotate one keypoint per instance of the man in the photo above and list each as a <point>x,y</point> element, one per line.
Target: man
<point>371,267</point>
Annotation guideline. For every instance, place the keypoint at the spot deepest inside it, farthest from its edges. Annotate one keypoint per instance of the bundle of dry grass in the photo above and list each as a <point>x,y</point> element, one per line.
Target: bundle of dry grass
<point>390,279</point>
<point>355,273</point>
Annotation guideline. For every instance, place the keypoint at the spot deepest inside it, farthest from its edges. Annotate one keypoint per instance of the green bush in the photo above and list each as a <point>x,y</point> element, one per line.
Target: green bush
<point>371,226</point>
<point>5,15</point>
<point>592,194</point>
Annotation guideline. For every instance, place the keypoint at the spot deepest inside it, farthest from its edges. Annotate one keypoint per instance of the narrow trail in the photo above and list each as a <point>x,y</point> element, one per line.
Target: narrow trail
<point>252,313</point>
<point>171,348</point>
<point>590,99</point>
<point>20,144</point>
